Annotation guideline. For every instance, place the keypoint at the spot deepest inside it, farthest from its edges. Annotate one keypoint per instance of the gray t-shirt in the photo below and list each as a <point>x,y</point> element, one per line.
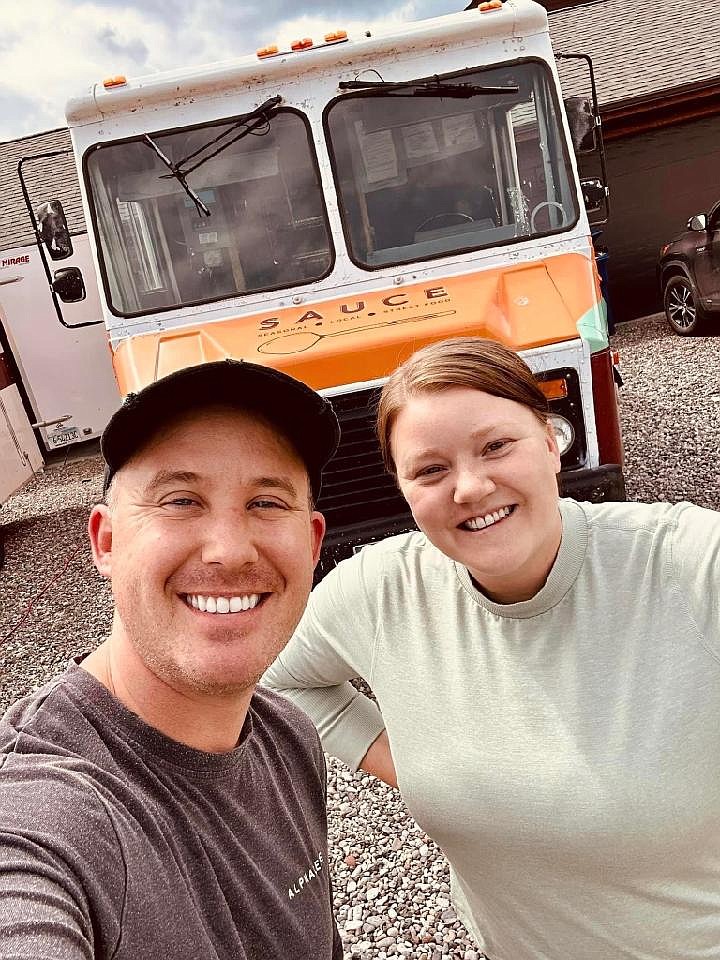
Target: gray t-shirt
<point>116,841</point>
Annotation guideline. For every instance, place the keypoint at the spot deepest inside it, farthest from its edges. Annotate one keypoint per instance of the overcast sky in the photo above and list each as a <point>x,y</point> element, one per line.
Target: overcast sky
<point>53,49</point>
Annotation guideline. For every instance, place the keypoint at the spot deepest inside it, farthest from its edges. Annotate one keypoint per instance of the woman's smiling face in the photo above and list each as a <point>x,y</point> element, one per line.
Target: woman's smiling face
<point>479,474</point>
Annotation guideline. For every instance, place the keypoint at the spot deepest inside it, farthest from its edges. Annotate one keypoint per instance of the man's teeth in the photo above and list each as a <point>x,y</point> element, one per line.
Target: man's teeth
<point>479,523</point>
<point>222,604</point>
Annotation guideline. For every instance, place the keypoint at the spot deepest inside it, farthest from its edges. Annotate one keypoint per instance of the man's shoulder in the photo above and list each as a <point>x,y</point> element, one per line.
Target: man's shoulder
<point>38,718</point>
<point>40,756</point>
<point>57,807</point>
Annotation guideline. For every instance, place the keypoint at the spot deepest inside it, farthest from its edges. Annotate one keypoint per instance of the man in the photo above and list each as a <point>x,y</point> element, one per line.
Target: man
<point>153,804</point>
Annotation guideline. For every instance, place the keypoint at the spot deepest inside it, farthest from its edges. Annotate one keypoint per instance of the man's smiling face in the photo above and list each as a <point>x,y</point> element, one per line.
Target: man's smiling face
<point>210,545</point>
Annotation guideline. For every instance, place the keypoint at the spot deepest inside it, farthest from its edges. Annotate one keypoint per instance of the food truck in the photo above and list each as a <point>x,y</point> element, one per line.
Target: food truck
<point>329,207</point>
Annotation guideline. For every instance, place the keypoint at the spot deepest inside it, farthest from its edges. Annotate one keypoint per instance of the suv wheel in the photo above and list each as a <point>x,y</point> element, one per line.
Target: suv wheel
<point>682,310</point>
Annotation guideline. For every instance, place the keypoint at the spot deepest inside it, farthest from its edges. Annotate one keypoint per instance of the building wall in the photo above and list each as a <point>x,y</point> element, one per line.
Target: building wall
<point>658,180</point>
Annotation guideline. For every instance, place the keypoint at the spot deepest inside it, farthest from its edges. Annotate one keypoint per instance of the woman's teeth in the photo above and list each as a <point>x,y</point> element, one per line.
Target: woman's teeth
<point>479,523</point>
<point>222,604</point>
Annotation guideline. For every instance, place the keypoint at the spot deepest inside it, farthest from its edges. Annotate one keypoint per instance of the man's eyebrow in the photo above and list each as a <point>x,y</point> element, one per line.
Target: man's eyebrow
<point>278,483</point>
<point>164,478</point>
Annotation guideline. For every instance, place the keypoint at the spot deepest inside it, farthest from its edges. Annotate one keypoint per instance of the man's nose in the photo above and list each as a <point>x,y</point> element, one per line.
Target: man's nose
<point>472,483</point>
<point>228,540</point>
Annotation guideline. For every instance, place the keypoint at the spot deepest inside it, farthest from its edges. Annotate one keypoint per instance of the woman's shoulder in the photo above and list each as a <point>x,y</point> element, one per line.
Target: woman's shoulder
<point>404,555</point>
<point>635,516</point>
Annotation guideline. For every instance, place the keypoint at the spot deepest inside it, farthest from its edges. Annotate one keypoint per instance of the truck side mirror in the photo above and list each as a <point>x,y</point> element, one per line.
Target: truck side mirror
<point>581,118</point>
<point>69,285</point>
<point>594,194</point>
<point>53,229</point>
<point>698,223</point>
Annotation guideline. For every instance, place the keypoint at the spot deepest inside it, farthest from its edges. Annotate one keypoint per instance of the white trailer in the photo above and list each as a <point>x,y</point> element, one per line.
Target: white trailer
<point>65,372</point>
<point>20,455</point>
<point>57,387</point>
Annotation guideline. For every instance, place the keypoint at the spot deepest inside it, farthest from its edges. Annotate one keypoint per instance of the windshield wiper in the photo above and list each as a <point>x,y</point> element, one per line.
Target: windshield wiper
<point>249,122</point>
<point>427,88</point>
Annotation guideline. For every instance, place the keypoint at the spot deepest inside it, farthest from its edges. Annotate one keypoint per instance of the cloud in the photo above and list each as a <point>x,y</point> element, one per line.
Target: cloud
<point>134,49</point>
<point>54,49</point>
<point>30,109</point>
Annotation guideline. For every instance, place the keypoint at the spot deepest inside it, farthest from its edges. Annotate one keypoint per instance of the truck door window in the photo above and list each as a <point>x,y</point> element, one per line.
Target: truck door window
<point>266,229</point>
<point>420,177</point>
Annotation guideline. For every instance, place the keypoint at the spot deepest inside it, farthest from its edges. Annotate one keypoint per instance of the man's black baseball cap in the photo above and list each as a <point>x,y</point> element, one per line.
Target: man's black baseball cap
<point>302,415</point>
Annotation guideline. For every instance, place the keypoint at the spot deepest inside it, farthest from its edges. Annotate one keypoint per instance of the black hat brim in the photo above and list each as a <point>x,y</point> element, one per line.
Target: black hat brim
<point>305,417</point>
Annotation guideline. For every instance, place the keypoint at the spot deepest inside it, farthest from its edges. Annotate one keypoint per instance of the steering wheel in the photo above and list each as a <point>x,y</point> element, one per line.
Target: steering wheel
<point>450,217</point>
<point>539,207</point>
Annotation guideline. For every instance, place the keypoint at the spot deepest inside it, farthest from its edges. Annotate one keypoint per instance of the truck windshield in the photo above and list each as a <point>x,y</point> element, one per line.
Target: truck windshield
<point>261,224</point>
<point>420,177</point>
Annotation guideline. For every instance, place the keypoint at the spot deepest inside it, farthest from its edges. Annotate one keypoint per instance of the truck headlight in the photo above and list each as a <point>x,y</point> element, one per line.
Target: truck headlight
<point>564,432</point>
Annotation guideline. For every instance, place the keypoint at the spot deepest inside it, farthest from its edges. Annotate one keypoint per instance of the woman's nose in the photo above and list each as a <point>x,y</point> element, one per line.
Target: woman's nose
<point>472,484</point>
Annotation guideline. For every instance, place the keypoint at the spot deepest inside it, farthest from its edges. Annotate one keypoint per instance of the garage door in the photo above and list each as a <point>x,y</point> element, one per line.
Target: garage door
<point>658,180</point>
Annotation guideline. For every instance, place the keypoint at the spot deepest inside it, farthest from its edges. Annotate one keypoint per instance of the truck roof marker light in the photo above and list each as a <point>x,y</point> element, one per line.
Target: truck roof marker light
<point>490,5</point>
<point>117,81</point>
<point>554,389</point>
<point>337,36</point>
<point>303,44</point>
<point>270,51</point>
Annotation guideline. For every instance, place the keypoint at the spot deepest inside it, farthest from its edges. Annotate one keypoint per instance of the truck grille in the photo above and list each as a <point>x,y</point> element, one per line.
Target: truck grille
<point>356,491</point>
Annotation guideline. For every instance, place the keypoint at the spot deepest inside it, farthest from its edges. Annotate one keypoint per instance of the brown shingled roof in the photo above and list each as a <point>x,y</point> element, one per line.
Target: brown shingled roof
<point>54,179</point>
<point>643,49</point>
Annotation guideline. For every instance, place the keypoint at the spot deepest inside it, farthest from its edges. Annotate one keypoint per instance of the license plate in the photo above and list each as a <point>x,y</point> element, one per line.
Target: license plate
<point>63,437</point>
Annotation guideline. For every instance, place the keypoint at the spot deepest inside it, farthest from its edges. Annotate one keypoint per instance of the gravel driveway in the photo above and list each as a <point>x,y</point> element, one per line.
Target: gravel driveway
<point>392,892</point>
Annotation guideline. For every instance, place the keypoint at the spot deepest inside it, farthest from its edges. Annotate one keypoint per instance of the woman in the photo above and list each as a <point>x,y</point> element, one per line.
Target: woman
<point>548,674</point>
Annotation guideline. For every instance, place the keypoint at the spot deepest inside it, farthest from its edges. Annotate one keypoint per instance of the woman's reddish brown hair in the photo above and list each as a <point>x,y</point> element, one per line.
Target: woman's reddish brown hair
<point>473,362</point>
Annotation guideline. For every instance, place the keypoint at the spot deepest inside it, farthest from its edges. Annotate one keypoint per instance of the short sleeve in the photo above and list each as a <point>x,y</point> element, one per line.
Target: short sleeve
<point>61,873</point>
<point>334,643</point>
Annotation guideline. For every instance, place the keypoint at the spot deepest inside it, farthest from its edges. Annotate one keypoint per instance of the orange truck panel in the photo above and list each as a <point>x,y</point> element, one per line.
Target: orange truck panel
<point>364,337</point>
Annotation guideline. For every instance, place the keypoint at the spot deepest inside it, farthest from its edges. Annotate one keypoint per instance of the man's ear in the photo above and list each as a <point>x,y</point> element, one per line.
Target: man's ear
<point>100,533</point>
<point>317,532</point>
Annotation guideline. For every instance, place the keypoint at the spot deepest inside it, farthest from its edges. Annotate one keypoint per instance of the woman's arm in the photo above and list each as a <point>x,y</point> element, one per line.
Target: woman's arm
<point>334,643</point>
<point>379,762</point>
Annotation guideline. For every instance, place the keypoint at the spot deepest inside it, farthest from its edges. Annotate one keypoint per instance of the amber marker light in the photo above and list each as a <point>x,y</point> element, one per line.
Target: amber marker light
<point>337,36</point>
<point>554,389</point>
<point>270,51</point>
<point>303,44</point>
<point>491,5</point>
<point>118,81</point>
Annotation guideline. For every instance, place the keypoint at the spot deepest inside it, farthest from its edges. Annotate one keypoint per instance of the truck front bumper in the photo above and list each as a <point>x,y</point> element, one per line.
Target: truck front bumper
<point>596,484</point>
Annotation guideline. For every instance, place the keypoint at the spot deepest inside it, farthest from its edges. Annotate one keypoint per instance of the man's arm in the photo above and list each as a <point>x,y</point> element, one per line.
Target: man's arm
<point>39,915</point>
<point>61,876</point>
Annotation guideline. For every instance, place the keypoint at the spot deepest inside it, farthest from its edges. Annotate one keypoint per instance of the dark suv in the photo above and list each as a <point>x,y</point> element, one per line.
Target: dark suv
<point>689,272</point>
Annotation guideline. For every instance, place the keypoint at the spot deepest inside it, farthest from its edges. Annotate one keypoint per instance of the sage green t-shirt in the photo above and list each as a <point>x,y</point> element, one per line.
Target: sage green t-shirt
<point>563,751</point>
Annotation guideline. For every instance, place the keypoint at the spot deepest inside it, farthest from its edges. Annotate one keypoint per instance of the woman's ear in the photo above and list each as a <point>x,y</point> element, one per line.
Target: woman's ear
<point>552,443</point>
<point>100,533</point>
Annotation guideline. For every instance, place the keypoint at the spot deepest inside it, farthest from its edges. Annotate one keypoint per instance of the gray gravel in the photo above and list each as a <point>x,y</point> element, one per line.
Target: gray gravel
<point>391,883</point>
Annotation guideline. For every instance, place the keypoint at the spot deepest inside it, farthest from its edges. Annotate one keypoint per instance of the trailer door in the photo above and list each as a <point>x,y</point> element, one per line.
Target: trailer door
<point>19,453</point>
